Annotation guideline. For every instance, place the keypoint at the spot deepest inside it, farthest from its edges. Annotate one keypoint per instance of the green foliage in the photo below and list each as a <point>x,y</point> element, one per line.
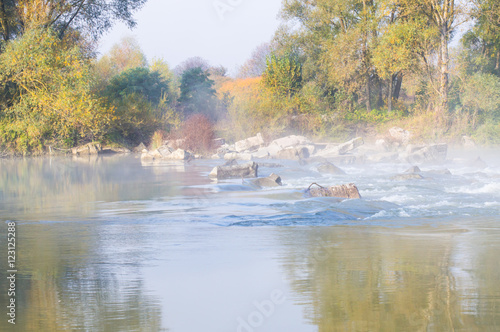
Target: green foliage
<point>197,93</point>
<point>91,17</point>
<point>283,75</point>
<point>138,95</point>
<point>47,94</point>
<point>140,81</point>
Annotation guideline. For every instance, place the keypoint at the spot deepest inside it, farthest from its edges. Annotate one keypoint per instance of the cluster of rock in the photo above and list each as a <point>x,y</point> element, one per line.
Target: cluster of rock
<point>96,149</point>
<point>395,147</point>
<point>165,153</point>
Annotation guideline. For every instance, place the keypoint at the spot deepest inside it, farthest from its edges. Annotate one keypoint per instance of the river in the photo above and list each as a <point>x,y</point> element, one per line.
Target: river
<point>109,244</point>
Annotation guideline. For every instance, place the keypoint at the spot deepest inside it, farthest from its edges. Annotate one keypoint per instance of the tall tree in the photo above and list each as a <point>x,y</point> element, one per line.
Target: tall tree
<point>93,17</point>
<point>197,93</point>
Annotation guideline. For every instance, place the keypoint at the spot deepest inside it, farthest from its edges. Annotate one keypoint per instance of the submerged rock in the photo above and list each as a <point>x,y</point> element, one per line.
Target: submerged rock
<point>272,180</point>
<point>409,176</point>
<point>342,191</point>
<point>413,169</point>
<point>248,170</point>
<point>327,167</point>
<point>270,165</point>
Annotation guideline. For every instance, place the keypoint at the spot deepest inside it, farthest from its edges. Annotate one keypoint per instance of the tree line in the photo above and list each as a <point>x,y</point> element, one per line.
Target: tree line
<point>332,67</point>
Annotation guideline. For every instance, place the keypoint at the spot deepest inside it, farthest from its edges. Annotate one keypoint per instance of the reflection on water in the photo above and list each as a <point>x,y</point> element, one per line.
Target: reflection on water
<point>419,279</point>
<point>108,244</point>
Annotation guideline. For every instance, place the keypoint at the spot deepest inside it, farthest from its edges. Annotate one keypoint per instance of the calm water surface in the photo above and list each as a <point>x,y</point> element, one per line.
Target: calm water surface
<point>109,244</point>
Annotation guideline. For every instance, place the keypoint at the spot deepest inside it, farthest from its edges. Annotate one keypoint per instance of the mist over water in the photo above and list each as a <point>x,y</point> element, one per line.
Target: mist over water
<point>108,244</point>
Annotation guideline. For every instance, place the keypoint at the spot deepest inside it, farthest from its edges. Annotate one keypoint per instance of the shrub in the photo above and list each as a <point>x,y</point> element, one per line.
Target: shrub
<point>198,133</point>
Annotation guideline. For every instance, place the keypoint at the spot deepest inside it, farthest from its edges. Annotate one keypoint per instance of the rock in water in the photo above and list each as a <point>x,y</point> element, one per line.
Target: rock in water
<point>329,168</point>
<point>409,176</point>
<point>248,170</point>
<point>341,191</point>
<point>87,149</point>
<point>272,180</point>
<point>251,143</point>
<point>413,169</point>
<point>139,148</point>
<point>351,145</point>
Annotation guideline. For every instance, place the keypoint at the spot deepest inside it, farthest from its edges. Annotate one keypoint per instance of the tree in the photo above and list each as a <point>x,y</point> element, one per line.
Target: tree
<point>92,17</point>
<point>256,65</point>
<point>126,54</point>
<point>442,15</point>
<point>483,41</point>
<point>47,86</point>
<point>197,93</point>
<point>192,63</point>
<point>136,94</point>
<point>337,37</point>
<point>283,75</point>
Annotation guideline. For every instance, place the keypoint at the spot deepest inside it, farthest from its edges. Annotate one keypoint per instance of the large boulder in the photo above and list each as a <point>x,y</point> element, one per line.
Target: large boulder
<point>248,170</point>
<point>329,168</point>
<point>293,153</point>
<point>238,156</point>
<point>139,148</point>
<point>288,141</point>
<point>342,191</point>
<point>87,149</point>
<point>468,142</point>
<point>251,143</point>
<point>272,180</point>
<point>332,150</point>
<point>435,153</point>
<point>166,153</point>
<point>350,145</point>
<point>400,135</point>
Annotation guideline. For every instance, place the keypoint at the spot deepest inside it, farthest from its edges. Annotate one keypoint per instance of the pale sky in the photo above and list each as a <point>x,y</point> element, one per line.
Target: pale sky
<point>224,32</point>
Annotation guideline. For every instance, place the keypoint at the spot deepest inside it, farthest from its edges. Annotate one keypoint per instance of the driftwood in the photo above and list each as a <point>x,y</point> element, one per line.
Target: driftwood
<point>342,191</point>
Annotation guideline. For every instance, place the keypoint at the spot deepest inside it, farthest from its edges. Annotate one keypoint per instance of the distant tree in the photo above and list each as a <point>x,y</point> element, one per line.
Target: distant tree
<point>191,63</point>
<point>197,93</point>
<point>140,81</point>
<point>124,55</point>
<point>220,71</point>
<point>255,66</point>
<point>137,96</point>
<point>161,67</point>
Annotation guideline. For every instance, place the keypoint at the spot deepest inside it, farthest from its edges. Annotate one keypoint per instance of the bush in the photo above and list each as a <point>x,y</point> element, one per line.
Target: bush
<point>198,133</point>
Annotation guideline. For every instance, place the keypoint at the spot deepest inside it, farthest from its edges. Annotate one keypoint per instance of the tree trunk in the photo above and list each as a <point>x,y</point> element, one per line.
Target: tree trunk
<point>389,96</point>
<point>368,93</point>
<point>397,87</point>
<point>5,24</point>
<point>497,64</point>
<point>444,60</point>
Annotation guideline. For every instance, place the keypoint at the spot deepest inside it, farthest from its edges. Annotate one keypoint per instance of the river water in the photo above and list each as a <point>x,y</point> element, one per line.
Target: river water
<point>108,244</point>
